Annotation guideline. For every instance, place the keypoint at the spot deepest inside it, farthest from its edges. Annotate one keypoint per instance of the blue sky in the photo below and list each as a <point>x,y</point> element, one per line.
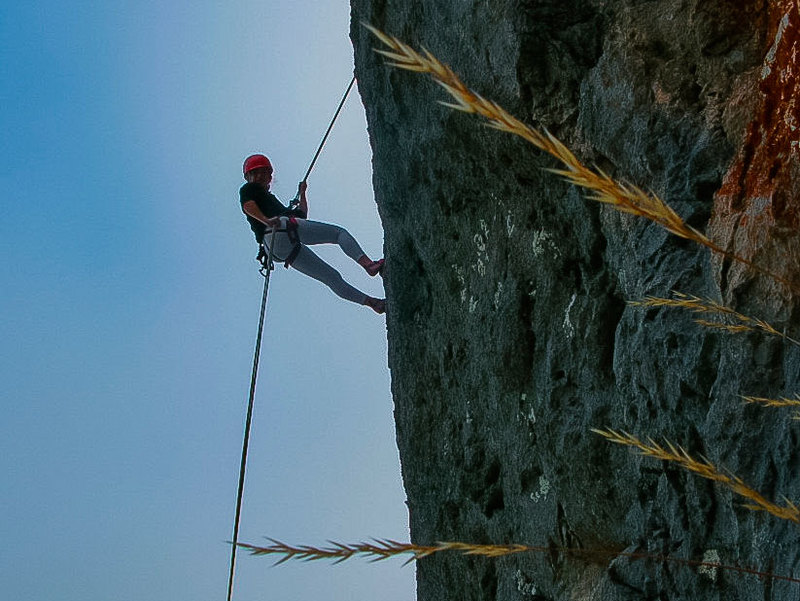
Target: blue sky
<point>130,304</point>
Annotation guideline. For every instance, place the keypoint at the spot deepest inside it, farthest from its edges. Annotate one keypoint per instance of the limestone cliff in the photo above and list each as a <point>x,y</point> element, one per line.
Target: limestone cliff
<point>509,333</point>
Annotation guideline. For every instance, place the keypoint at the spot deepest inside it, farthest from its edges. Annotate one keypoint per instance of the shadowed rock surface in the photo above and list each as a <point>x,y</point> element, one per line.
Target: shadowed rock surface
<point>509,332</point>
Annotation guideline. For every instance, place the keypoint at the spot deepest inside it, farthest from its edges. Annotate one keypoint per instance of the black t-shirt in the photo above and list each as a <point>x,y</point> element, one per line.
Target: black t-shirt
<point>269,205</point>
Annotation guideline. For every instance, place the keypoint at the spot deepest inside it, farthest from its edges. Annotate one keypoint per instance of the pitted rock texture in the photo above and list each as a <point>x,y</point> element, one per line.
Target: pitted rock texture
<point>509,332</point>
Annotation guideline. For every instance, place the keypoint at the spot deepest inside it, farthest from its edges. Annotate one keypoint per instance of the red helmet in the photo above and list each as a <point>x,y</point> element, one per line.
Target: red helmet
<point>256,161</point>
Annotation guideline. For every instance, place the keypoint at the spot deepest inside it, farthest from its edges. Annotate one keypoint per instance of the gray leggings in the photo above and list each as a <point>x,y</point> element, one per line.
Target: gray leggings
<point>307,262</point>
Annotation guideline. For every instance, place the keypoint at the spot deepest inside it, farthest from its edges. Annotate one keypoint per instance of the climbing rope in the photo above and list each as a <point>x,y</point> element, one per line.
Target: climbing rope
<point>265,271</point>
<point>296,199</point>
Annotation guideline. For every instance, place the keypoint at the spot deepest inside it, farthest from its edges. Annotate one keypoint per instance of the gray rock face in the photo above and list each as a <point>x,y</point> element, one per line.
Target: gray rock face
<point>509,333</point>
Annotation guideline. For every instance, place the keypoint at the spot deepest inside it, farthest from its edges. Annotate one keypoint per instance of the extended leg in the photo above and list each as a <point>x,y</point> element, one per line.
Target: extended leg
<point>316,232</point>
<point>309,263</point>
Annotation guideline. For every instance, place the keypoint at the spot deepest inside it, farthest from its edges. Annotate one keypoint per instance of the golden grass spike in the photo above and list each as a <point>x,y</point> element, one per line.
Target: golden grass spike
<point>741,323</point>
<point>703,468</point>
<point>693,303</point>
<point>781,402</point>
<point>384,548</point>
<point>376,550</point>
<point>627,199</point>
<point>727,327</point>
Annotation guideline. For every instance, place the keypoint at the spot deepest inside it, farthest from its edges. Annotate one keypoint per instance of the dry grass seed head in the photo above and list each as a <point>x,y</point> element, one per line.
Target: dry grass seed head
<point>377,550</point>
<point>703,468</point>
<point>384,548</point>
<point>781,402</point>
<point>742,323</point>
<point>623,197</point>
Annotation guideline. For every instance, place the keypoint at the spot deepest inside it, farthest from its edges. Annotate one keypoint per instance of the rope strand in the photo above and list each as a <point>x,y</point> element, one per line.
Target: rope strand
<point>330,127</point>
<point>249,419</point>
<point>296,199</point>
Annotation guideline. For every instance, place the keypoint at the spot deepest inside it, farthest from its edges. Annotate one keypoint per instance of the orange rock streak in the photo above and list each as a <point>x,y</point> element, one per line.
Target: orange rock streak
<point>757,209</point>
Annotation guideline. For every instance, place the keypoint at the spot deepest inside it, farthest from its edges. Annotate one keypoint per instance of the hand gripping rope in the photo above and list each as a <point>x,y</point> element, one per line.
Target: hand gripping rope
<point>265,271</point>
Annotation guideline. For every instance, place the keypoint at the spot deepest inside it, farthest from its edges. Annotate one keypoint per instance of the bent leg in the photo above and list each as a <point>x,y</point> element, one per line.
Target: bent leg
<point>309,263</point>
<point>317,232</point>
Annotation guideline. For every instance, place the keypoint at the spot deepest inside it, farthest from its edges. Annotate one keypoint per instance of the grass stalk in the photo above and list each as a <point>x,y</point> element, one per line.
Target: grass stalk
<point>736,322</point>
<point>377,550</point>
<point>623,197</point>
<point>705,469</point>
<point>781,402</point>
<point>380,549</point>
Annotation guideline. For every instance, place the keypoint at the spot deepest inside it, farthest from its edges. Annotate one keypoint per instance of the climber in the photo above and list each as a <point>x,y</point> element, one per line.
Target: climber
<point>295,233</point>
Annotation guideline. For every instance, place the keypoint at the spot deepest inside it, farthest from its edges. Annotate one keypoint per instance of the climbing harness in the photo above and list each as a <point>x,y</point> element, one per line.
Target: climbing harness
<point>296,199</point>
<point>294,237</point>
<point>265,269</point>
